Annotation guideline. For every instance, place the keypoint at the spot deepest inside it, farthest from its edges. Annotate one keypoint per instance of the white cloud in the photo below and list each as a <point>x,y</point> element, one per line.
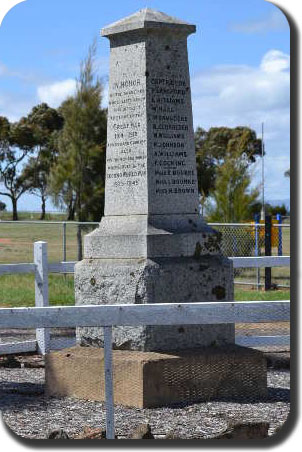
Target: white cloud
<point>275,61</point>
<point>275,21</point>
<point>237,95</point>
<point>55,93</point>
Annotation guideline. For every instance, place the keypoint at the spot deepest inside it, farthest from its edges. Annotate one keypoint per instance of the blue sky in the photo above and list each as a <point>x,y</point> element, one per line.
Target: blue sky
<point>239,64</point>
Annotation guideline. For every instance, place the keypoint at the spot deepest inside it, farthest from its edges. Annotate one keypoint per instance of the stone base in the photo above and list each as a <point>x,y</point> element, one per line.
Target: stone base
<point>149,379</point>
<point>161,280</point>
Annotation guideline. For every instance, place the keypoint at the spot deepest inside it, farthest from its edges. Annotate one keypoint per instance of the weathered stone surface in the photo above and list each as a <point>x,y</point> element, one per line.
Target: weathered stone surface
<point>149,379</point>
<point>58,434</point>
<point>142,431</point>
<point>162,280</point>
<point>147,18</point>
<point>154,236</point>
<point>152,246</point>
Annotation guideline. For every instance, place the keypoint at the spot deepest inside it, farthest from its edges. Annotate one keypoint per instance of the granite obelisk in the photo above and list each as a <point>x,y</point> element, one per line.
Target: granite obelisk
<point>152,246</point>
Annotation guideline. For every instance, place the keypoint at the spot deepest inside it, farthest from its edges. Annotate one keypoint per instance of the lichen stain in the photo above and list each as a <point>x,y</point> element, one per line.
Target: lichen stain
<point>219,291</point>
<point>93,281</point>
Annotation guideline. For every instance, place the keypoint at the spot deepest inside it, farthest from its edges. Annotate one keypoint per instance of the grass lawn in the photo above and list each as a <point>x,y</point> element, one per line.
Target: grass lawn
<point>17,239</point>
<point>255,295</point>
<point>19,290</point>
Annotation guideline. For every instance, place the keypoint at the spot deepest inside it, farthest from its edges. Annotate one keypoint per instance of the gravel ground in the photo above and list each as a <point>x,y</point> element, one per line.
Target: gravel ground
<point>29,414</point>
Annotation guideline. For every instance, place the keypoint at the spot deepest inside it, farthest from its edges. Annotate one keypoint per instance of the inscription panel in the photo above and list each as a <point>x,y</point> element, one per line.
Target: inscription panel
<point>172,176</point>
<point>126,160</point>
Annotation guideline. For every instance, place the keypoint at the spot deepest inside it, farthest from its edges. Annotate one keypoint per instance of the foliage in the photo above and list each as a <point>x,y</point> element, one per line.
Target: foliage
<point>2,206</point>
<point>287,173</point>
<point>256,207</point>
<point>77,177</point>
<point>232,196</point>
<point>217,144</point>
<point>16,142</point>
<point>274,210</point>
<point>45,123</point>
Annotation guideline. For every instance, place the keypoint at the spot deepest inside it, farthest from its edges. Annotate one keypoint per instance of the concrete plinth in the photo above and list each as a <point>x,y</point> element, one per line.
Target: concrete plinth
<point>149,379</point>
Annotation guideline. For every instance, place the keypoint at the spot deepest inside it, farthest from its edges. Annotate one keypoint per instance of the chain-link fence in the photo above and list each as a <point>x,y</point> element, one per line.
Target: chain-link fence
<point>65,240</point>
<point>245,240</point>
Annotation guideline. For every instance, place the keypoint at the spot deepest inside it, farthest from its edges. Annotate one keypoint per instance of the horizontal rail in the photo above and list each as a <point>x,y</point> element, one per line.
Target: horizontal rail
<point>243,283</point>
<point>17,268</point>
<point>145,314</point>
<point>261,261</point>
<point>8,348</point>
<point>49,222</point>
<point>234,224</point>
<point>252,225</point>
<point>68,267</point>
<point>59,343</point>
<point>61,267</point>
<point>262,341</point>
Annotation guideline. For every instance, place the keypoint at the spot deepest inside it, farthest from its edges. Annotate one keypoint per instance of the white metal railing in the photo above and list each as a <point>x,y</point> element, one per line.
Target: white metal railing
<point>136,315</point>
<point>41,268</point>
<point>42,317</point>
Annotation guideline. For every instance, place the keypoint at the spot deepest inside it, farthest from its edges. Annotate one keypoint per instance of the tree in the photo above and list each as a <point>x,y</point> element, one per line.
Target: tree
<point>282,210</point>
<point>256,207</point>
<point>217,144</point>
<point>287,173</point>
<point>16,141</point>
<point>232,194</point>
<point>2,206</point>
<point>77,177</point>
<point>45,123</point>
<point>35,175</point>
<point>206,167</point>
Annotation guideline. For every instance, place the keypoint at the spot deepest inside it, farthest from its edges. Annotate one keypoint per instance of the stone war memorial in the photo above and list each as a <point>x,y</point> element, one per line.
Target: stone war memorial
<point>152,245</point>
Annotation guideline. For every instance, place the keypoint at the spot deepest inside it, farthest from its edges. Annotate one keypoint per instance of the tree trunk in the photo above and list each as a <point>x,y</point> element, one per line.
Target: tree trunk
<point>43,208</point>
<point>15,211</point>
<point>71,211</point>
<point>79,240</point>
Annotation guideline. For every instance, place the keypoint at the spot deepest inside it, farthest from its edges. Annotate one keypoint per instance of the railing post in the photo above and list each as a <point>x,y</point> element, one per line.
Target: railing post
<point>257,249</point>
<point>279,219</point>
<point>64,241</point>
<point>41,292</point>
<point>79,240</point>
<point>109,382</point>
<point>268,250</point>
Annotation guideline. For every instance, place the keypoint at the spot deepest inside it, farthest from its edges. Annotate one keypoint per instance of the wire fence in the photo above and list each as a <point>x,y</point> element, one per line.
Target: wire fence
<point>65,241</point>
<point>248,239</point>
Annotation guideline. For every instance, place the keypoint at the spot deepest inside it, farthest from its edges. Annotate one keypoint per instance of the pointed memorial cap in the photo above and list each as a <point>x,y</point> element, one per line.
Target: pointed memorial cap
<point>148,19</point>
